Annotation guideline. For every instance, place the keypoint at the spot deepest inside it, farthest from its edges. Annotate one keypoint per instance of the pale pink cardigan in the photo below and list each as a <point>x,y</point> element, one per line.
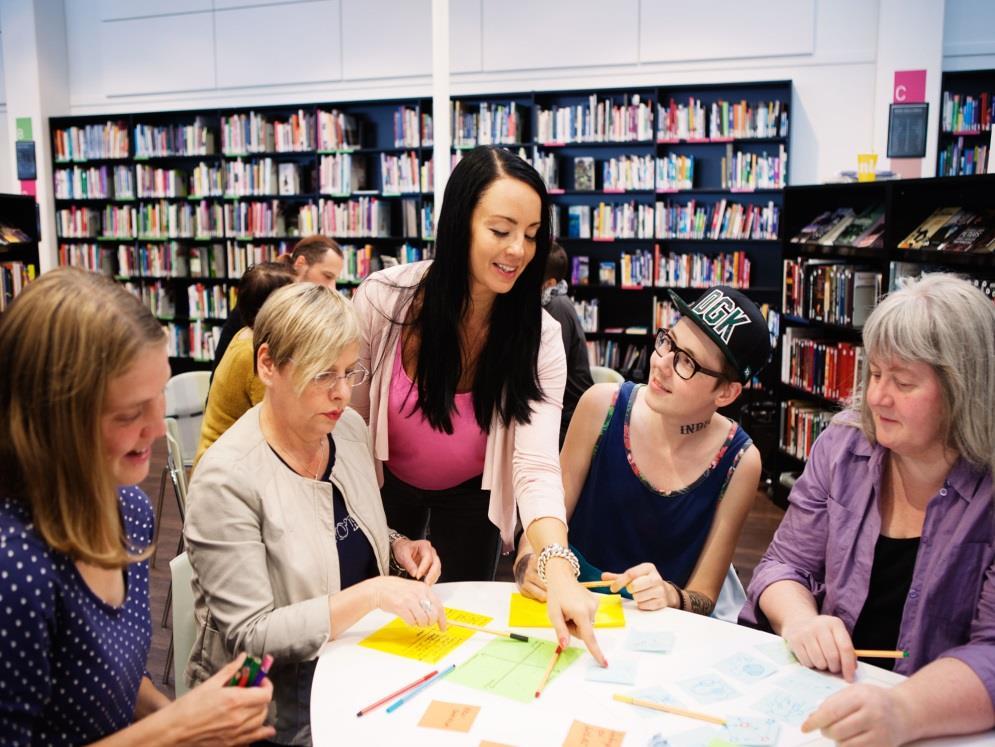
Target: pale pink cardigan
<point>521,461</point>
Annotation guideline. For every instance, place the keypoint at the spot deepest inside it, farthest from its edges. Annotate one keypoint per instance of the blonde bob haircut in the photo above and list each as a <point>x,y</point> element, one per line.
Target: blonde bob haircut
<point>307,324</point>
<point>949,324</point>
<point>61,341</point>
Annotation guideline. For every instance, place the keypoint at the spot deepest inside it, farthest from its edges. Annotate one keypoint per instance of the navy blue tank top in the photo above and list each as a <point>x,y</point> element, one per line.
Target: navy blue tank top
<point>621,520</point>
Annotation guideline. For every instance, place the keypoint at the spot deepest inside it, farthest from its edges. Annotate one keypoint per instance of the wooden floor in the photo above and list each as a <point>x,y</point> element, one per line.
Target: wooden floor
<point>757,533</point>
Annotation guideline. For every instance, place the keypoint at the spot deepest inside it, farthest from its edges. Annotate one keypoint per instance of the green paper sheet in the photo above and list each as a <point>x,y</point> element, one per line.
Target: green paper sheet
<point>512,669</point>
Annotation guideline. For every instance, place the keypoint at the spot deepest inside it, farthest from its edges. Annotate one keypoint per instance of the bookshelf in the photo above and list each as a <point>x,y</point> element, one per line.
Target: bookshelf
<point>829,285</point>
<point>19,236</point>
<point>177,205</point>
<point>967,107</point>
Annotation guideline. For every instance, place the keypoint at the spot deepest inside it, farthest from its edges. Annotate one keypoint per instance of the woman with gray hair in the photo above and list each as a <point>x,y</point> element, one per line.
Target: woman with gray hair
<point>887,543</point>
<point>285,529</point>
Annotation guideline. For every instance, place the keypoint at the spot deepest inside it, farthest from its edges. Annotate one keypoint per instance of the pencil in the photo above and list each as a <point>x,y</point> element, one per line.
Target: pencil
<point>595,584</point>
<point>873,653</point>
<point>480,629</point>
<point>669,709</point>
<point>394,694</point>
<point>401,701</point>
<point>549,670</point>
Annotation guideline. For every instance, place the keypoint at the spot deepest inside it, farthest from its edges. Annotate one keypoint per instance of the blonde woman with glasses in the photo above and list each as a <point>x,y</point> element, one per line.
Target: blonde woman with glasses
<point>83,365</point>
<point>285,528</point>
<point>888,541</point>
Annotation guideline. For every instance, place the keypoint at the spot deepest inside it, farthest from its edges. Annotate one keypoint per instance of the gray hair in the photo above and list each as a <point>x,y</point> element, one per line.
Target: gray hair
<point>308,324</point>
<point>948,323</point>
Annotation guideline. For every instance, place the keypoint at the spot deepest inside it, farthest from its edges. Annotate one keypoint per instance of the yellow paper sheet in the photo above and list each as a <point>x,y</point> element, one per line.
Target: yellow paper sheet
<point>449,716</point>
<point>429,645</point>
<point>528,613</point>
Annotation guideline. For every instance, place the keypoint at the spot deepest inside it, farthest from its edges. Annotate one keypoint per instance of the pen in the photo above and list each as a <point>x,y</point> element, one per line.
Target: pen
<point>401,701</point>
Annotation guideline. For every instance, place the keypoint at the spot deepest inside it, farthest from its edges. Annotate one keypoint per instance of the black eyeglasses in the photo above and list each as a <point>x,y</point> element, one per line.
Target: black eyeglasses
<point>684,365</point>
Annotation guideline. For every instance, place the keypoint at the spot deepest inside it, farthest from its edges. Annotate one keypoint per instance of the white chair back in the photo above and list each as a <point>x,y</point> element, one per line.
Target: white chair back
<point>186,397</point>
<point>175,465</point>
<point>184,623</point>
<point>605,375</point>
<point>732,597</point>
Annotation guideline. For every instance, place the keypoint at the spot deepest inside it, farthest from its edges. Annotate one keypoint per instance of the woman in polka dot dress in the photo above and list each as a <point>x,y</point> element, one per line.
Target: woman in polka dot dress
<point>82,369</point>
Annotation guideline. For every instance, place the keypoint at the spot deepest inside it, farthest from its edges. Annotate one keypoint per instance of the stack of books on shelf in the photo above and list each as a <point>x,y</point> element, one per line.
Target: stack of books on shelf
<point>361,217</point>
<point>845,227</point>
<point>629,359</point>
<point>967,114</point>
<point>240,257</point>
<point>954,229</point>
<point>153,182</point>
<point>721,220</point>
<point>801,424</point>
<point>12,235</point>
<point>626,173</point>
<point>77,222</point>
<point>743,120</point>
<point>13,277</point>
<point>830,291</point>
<point>337,131</point>
<point>626,220</point>
<point>636,270</point>
<point>409,132</point>
<point>587,312</point>
<point>745,172</point>
<point>207,301</point>
<point>194,139</point>
<point>665,314</point>
<point>596,122</point>
<point>400,173</point>
<point>296,134</point>
<point>342,174</point>
<point>674,173</point>
<point>78,183</point>
<point>94,141</point>
<point>88,257</point>
<point>206,180</point>
<point>678,121</point>
<point>120,222</point>
<point>490,124</point>
<point>828,368</point>
<point>956,159</point>
<point>242,134</point>
<point>695,270</point>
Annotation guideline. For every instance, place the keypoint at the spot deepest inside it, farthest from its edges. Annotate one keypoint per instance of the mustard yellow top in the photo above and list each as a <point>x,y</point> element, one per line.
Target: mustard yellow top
<point>234,390</point>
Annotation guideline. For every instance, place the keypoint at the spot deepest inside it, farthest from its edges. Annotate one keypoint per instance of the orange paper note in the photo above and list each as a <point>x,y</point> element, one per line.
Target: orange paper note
<point>586,735</point>
<point>488,743</point>
<point>449,716</point>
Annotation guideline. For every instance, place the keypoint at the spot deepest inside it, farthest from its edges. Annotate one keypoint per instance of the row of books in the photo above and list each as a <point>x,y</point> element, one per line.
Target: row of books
<point>254,133</point>
<point>830,291</point>
<point>954,229</point>
<point>967,114</point>
<point>596,121</point>
<point>405,173</point>
<point>108,140</point>
<point>749,171</point>
<point>491,123</point>
<point>153,182</point>
<point>587,312</point>
<point>720,220</point>
<point>11,235</point>
<point>196,340</point>
<point>206,302</point>
<point>338,131</point>
<point>194,139</point>
<point>156,296</point>
<point>629,359</point>
<point>801,423</point>
<point>262,177</point>
<point>342,174</point>
<point>958,160</point>
<point>606,221</point>
<point>412,130</point>
<point>13,277</point>
<point>621,174</point>
<point>95,182</point>
<point>642,269</point>
<point>741,120</point>
<point>845,227</point>
<point>828,368</point>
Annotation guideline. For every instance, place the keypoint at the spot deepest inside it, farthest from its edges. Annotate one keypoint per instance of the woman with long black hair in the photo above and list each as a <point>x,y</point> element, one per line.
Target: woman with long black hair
<point>467,385</point>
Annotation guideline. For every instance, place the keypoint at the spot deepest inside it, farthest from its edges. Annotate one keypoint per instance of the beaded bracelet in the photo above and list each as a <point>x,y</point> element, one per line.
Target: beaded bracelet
<point>556,551</point>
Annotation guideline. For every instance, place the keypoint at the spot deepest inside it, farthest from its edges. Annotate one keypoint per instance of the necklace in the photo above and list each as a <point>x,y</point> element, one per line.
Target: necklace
<point>321,451</point>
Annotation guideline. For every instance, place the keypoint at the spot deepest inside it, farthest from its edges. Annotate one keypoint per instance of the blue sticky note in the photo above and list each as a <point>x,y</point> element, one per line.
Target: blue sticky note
<point>619,672</point>
<point>654,641</point>
<point>703,736</point>
<point>778,652</point>
<point>810,685</point>
<point>751,730</point>
<point>786,707</point>
<point>745,668</point>
<point>708,688</point>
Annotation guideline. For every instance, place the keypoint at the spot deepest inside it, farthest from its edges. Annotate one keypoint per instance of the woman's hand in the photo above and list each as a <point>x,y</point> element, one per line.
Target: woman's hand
<point>860,715</point>
<point>648,589</point>
<point>527,578</point>
<point>418,558</point>
<point>822,642</point>
<point>571,609</point>
<point>213,714</point>
<point>412,601</point>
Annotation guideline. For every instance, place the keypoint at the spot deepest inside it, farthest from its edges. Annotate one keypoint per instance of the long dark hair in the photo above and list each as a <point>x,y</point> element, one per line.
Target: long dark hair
<point>507,376</point>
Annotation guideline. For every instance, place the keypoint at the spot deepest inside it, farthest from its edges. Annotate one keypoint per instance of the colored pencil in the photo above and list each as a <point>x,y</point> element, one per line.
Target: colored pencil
<point>401,701</point>
<point>549,670</point>
<point>480,629</point>
<point>396,693</point>
<point>669,709</point>
<point>873,653</point>
<point>263,670</point>
<point>595,584</point>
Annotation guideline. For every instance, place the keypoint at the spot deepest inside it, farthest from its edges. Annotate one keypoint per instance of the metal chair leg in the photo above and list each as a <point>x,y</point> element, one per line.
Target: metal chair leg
<point>169,662</point>
<point>158,512</point>
<point>169,606</point>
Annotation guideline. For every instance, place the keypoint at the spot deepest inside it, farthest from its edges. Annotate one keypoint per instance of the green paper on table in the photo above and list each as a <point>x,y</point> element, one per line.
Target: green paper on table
<point>528,613</point>
<point>511,668</point>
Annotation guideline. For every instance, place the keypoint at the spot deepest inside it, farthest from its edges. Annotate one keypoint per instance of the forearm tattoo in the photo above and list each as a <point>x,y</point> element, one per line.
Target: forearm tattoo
<point>699,603</point>
<point>520,567</point>
<point>688,428</point>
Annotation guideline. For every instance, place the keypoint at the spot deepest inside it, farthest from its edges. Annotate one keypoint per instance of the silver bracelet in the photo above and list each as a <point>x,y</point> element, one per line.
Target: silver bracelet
<point>556,551</point>
<point>396,568</point>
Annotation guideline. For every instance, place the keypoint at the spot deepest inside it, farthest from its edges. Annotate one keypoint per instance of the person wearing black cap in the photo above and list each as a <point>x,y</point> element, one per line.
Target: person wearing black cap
<point>657,483</point>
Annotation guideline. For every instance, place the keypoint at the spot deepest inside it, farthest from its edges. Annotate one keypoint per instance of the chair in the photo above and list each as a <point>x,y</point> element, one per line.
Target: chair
<point>184,623</point>
<point>186,396</point>
<point>178,476</point>
<point>605,375</point>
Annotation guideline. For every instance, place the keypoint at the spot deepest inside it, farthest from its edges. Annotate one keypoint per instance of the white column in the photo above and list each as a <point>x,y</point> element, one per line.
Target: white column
<point>36,77</point>
<point>440,98</point>
<point>910,37</point>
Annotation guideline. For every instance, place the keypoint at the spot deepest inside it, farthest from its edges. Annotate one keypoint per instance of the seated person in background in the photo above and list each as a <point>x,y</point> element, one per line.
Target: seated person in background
<point>315,259</point>
<point>887,543</point>
<point>284,527</point>
<point>657,483</point>
<point>556,301</point>
<point>83,365</point>
<point>235,387</point>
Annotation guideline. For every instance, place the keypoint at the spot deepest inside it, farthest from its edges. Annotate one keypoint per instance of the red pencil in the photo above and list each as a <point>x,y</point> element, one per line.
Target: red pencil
<point>394,694</point>
<point>549,670</point>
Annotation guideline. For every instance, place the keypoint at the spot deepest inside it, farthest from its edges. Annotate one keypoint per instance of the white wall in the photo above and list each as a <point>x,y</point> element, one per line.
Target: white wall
<point>7,181</point>
<point>969,35</point>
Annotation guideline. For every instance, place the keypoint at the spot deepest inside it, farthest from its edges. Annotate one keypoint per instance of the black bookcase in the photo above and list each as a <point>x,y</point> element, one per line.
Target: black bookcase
<point>808,402</point>
<point>962,145</point>
<point>19,237</point>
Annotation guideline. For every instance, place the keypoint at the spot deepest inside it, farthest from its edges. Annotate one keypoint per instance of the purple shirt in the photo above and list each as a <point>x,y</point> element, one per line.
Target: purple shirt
<point>826,543</point>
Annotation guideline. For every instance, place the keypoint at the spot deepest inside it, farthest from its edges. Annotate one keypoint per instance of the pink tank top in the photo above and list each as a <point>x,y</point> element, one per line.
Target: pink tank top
<point>422,456</point>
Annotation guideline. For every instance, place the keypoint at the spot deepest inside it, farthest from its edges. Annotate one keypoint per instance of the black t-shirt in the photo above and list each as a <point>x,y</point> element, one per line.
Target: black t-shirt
<point>579,379</point>
<point>356,559</point>
<point>891,576</point>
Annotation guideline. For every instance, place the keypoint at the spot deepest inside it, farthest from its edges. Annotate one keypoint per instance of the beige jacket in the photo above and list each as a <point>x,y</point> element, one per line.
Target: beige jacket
<point>521,461</point>
<point>261,540</point>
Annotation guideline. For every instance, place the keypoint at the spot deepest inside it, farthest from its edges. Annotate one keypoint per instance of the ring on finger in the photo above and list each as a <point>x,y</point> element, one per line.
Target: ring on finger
<point>426,604</point>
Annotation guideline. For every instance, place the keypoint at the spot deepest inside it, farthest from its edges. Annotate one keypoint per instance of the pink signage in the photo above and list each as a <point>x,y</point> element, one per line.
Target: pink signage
<point>910,87</point>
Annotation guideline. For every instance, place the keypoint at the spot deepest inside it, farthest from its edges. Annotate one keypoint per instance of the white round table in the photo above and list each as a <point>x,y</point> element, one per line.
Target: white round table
<point>350,677</point>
